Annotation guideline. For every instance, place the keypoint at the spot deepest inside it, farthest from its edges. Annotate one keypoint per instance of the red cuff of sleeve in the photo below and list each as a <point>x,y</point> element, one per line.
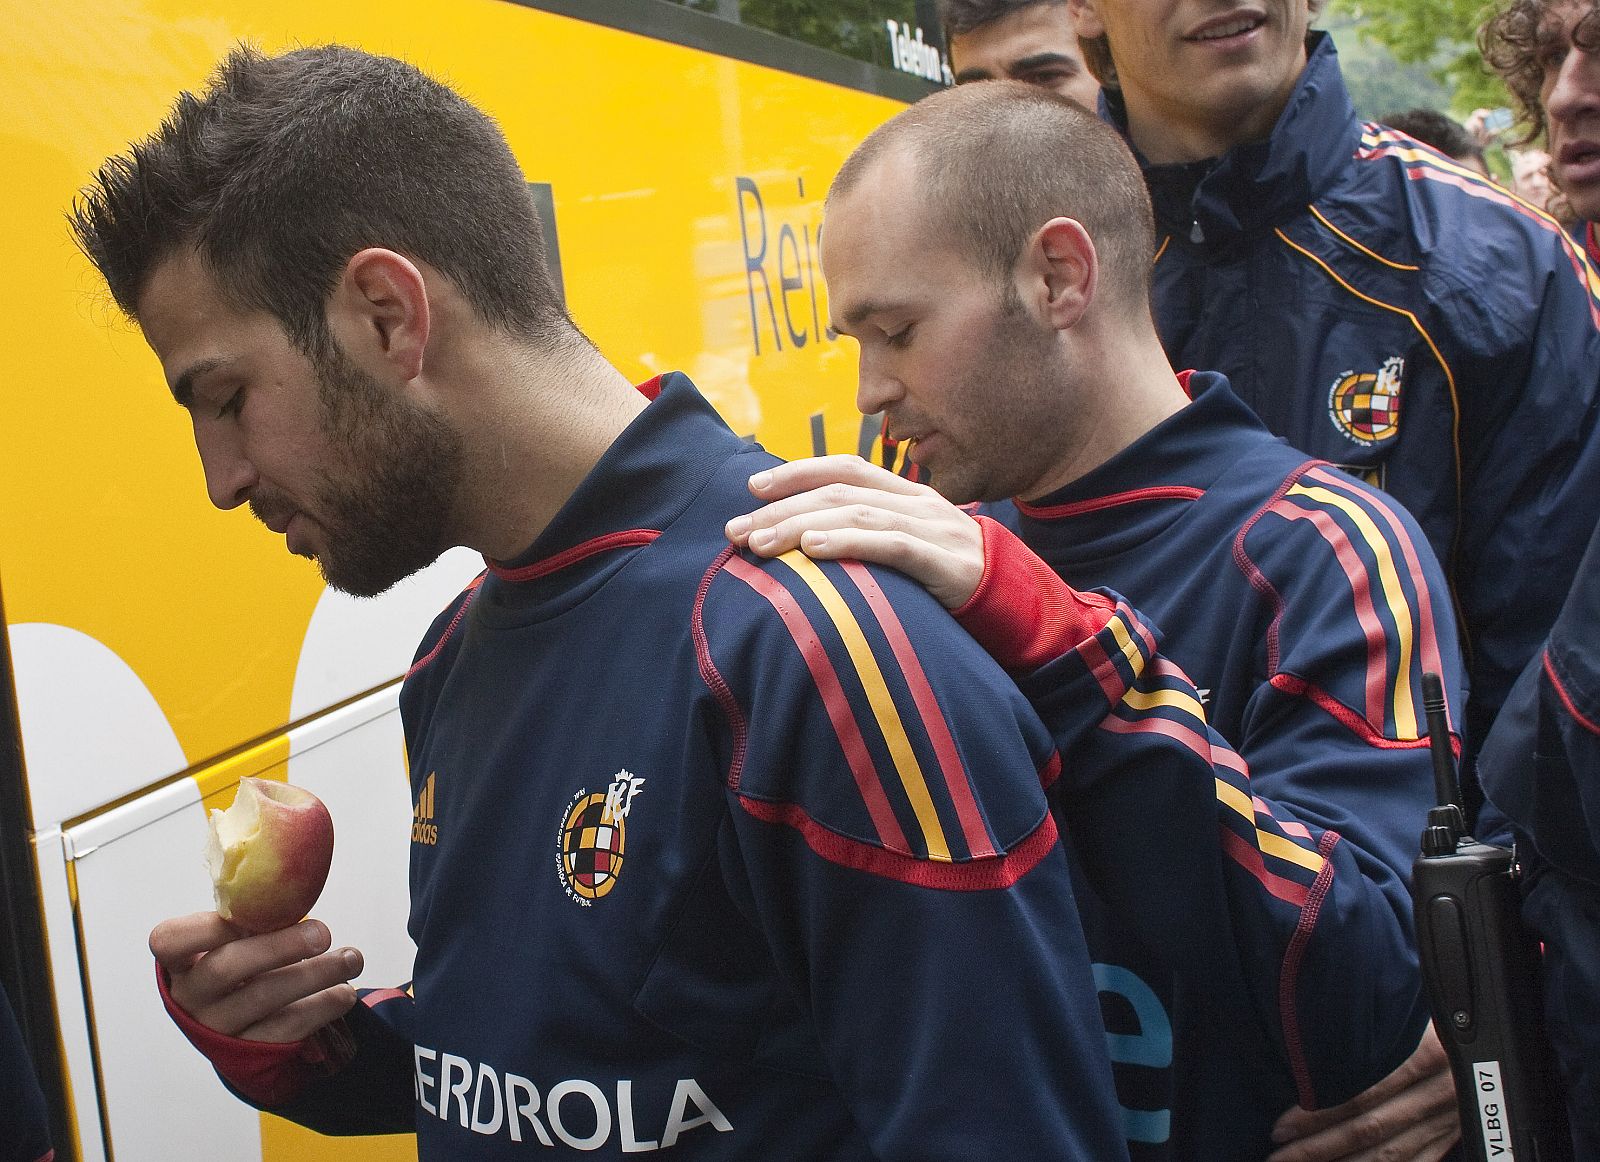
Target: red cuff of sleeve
<point>267,1073</point>
<point>1022,612</point>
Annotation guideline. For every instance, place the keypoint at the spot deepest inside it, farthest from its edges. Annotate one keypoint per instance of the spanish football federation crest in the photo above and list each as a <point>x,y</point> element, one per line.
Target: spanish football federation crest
<point>1366,406</point>
<point>593,841</point>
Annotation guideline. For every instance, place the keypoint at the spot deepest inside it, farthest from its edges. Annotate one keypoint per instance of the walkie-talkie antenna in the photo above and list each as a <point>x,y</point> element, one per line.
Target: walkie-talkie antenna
<point>1444,759</point>
<point>1447,824</point>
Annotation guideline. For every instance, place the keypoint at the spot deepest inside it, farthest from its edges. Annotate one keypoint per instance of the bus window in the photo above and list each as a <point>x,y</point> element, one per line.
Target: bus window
<point>893,34</point>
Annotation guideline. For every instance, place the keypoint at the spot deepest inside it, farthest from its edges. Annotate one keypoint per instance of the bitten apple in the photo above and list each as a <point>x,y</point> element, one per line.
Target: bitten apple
<point>269,854</point>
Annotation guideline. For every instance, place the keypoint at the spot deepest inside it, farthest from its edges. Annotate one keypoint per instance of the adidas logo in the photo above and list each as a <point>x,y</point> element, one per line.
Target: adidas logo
<point>423,828</point>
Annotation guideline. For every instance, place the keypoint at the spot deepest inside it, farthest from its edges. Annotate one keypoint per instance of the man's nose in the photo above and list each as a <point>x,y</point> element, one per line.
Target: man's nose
<point>229,474</point>
<point>1577,85</point>
<point>876,386</point>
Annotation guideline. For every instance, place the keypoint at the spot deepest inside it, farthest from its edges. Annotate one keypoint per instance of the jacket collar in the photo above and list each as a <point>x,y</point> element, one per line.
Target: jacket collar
<point>1260,183</point>
<point>642,483</point>
<point>1177,460</point>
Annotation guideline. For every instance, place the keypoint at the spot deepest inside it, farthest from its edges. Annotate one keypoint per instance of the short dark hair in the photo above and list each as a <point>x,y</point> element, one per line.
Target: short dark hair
<point>1511,46</point>
<point>959,17</point>
<point>996,161</point>
<point>286,166</point>
<point>1431,127</point>
<point>1097,53</point>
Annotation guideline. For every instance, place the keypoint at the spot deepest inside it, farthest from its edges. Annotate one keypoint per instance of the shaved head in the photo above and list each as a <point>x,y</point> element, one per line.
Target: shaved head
<point>996,161</point>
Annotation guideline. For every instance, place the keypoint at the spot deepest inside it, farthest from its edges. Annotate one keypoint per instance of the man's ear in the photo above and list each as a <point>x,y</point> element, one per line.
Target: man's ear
<point>1086,18</point>
<point>379,310</point>
<point>1059,272</point>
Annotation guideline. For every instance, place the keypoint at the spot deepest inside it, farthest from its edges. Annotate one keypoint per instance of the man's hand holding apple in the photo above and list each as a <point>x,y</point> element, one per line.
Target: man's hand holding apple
<point>275,986</point>
<point>254,969</point>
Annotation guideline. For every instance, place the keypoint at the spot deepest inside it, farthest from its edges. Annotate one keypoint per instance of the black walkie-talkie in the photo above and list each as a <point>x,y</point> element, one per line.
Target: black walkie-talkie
<point>1481,968</point>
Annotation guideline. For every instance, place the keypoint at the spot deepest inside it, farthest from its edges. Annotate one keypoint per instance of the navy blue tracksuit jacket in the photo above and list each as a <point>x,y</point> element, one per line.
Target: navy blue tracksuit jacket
<point>1387,310</point>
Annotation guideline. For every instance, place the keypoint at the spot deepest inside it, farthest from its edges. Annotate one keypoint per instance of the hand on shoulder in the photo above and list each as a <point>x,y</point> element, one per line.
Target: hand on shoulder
<point>836,507</point>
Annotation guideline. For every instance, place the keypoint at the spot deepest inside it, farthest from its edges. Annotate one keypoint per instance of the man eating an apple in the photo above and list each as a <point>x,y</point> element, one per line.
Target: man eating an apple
<point>749,856</point>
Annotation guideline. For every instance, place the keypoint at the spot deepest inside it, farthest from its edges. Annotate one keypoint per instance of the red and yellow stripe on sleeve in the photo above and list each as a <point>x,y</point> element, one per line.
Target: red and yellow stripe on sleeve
<point>1116,656</point>
<point>880,704</point>
<point>1390,595</point>
<point>1161,705</point>
<point>1423,164</point>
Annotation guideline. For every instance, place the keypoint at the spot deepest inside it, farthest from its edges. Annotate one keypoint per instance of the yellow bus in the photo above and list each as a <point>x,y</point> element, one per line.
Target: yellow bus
<point>157,650</point>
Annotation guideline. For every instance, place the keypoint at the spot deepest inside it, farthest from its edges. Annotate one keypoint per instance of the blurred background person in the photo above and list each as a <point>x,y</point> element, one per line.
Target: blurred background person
<point>1019,40</point>
<point>1548,54</point>
<point>1445,134</point>
<point>1530,176</point>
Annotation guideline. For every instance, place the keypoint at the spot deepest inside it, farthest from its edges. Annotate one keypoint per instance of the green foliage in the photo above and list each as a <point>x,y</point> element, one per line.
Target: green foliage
<point>1379,84</point>
<point>1437,36</point>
